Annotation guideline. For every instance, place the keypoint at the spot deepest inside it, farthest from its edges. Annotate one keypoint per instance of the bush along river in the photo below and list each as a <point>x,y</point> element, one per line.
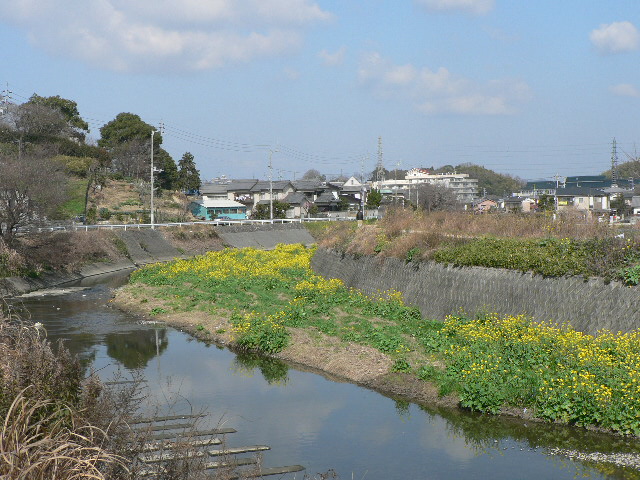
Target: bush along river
<point>311,420</point>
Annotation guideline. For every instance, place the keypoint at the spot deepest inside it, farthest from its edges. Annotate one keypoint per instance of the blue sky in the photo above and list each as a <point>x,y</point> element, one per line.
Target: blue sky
<point>531,89</point>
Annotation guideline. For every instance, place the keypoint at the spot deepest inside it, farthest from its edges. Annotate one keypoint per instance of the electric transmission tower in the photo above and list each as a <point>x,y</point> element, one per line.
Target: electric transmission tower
<point>614,164</point>
<point>379,165</point>
<point>5,99</point>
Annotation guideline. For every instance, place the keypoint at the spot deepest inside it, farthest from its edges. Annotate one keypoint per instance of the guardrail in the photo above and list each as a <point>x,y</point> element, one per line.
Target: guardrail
<point>215,223</point>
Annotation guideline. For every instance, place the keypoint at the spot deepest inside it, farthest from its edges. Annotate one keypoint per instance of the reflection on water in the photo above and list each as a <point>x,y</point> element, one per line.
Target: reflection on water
<point>313,421</point>
<point>134,349</point>
<point>273,370</point>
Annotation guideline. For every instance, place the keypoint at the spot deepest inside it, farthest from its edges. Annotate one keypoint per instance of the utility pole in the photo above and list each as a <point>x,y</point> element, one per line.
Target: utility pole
<point>271,152</point>
<point>153,175</point>
<point>555,192</point>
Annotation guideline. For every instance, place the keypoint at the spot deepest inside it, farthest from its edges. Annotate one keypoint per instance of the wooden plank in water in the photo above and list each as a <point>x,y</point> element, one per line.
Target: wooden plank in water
<point>137,421</point>
<point>162,457</point>
<point>152,447</point>
<point>223,451</point>
<point>166,426</point>
<point>263,472</point>
<point>197,433</point>
<point>123,382</point>
<point>278,470</point>
<point>233,451</point>
<point>237,462</point>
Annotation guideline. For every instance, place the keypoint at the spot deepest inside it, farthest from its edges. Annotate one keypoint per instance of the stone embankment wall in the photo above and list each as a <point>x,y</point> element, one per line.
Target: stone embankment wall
<point>439,290</point>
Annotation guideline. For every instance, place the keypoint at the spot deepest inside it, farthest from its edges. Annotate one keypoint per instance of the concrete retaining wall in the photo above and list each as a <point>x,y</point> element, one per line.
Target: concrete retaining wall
<point>143,246</point>
<point>150,246</point>
<point>265,236</point>
<point>438,290</point>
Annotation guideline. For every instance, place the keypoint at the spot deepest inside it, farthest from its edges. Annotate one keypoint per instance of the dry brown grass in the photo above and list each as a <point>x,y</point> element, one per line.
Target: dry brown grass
<point>43,400</point>
<point>193,239</point>
<point>67,251</point>
<point>405,230</point>
<point>43,440</point>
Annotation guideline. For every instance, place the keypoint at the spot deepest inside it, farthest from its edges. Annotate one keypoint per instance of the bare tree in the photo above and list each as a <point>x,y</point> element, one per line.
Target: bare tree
<point>432,197</point>
<point>132,158</point>
<point>33,123</point>
<point>313,174</point>
<point>32,187</point>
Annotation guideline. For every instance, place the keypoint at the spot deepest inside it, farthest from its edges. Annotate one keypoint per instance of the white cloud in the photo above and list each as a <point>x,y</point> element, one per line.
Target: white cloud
<point>625,90</point>
<point>333,59</point>
<point>440,91</point>
<point>164,35</point>
<point>468,6</point>
<point>616,37</point>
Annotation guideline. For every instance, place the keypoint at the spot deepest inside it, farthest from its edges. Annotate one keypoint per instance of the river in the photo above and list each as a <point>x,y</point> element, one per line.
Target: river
<point>306,418</point>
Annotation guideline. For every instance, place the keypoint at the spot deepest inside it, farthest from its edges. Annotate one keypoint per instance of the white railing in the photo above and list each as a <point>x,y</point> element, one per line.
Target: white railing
<point>138,226</point>
<point>215,223</point>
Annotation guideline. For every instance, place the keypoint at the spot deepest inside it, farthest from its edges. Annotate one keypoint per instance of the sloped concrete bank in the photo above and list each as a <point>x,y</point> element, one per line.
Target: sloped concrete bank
<point>265,236</point>
<point>439,290</point>
<point>143,246</point>
<point>150,246</point>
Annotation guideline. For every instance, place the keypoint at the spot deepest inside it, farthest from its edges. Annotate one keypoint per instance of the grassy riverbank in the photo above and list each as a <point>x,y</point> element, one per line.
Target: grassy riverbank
<point>568,244</point>
<point>272,302</point>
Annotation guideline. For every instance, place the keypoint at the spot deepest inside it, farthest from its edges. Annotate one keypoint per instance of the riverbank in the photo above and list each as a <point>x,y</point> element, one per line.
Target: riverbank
<point>502,364</point>
<point>325,355</point>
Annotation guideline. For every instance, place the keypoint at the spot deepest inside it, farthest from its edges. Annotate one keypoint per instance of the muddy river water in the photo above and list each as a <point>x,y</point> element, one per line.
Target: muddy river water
<point>308,419</point>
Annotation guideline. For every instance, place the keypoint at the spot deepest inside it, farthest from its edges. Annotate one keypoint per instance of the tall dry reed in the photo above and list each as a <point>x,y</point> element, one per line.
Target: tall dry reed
<point>45,440</point>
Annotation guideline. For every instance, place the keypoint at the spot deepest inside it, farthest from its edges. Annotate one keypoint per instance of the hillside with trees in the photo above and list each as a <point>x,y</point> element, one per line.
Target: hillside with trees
<point>51,171</point>
<point>628,169</point>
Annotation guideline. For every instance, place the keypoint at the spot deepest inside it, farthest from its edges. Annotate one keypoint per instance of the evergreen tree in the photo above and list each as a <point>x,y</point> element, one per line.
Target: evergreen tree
<point>374,198</point>
<point>168,178</point>
<point>188,174</point>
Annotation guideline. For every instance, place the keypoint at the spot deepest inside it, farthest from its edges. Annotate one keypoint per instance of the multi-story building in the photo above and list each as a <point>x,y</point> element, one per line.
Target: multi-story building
<point>465,188</point>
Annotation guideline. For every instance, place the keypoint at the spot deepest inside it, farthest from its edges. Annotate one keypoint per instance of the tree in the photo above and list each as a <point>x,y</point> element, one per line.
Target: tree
<point>68,109</point>
<point>343,204</point>
<point>263,211</point>
<point>168,177</point>
<point>125,128</point>
<point>374,198</point>
<point>31,188</point>
<point>494,183</point>
<point>546,203</point>
<point>127,138</point>
<point>432,197</point>
<point>30,125</point>
<point>188,174</point>
<point>313,174</point>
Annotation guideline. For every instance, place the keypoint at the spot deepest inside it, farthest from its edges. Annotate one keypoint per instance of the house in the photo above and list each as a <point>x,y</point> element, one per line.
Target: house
<point>212,208</point>
<point>485,206</point>
<point>299,205</point>
<point>263,189</point>
<point>519,204</point>
<point>583,198</point>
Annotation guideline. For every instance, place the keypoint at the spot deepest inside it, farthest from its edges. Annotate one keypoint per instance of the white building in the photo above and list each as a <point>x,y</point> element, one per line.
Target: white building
<point>465,188</point>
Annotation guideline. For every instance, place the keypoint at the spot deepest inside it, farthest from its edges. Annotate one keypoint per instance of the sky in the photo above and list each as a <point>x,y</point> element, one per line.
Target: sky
<point>527,88</point>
